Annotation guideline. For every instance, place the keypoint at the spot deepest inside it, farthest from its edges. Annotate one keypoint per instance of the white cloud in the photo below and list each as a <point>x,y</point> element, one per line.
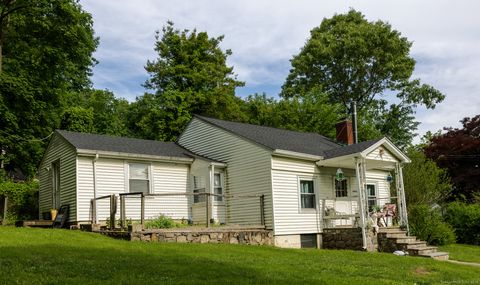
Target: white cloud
<point>264,35</point>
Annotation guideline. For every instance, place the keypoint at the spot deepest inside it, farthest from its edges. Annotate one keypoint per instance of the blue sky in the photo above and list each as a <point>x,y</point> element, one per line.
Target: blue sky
<point>264,35</point>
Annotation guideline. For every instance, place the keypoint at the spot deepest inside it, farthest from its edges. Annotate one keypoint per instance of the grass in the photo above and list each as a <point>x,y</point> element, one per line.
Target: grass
<point>463,252</point>
<point>46,256</point>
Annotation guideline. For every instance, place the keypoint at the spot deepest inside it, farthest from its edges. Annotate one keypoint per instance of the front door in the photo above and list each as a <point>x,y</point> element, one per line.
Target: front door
<point>56,184</point>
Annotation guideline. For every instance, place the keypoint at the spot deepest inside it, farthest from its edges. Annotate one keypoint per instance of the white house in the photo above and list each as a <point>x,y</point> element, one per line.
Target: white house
<point>297,176</point>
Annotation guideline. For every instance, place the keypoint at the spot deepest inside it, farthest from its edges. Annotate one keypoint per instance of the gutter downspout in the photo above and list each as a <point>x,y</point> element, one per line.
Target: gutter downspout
<point>94,163</point>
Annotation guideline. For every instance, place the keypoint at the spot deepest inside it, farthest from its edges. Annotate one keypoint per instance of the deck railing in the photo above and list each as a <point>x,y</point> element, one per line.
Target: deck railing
<point>113,200</point>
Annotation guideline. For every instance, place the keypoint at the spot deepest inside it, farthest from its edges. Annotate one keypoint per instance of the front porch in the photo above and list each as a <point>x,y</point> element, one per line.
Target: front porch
<point>378,198</point>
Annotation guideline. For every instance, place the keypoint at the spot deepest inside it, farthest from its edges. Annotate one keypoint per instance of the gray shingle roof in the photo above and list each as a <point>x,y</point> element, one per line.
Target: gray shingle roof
<point>273,138</point>
<point>124,145</point>
<point>349,149</point>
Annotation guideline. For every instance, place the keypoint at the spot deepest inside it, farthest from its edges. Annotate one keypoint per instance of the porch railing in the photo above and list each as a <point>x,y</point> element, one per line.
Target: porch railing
<point>333,216</point>
<point>113,200</point>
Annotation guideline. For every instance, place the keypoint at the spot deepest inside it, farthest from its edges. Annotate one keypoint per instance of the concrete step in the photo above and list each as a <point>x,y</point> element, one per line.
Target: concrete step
<point>403,239</point>
<point>388,229</point>
<point>411,245</point>
<point>439,255</point>
<point>422,250</point>
<point>397,235</point>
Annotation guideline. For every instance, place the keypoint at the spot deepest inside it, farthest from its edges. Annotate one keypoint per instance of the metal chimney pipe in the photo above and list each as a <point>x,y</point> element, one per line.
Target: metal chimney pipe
<point>354,121</point>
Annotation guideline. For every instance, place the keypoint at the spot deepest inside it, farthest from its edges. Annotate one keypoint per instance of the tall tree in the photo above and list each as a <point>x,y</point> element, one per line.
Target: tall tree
<point>311,113</point>
<point>47,48</point>
<point>425,182</point>
<point>352,59</point>
<point>458,150</point>
<point>189,76</point>
<point>109,114</point>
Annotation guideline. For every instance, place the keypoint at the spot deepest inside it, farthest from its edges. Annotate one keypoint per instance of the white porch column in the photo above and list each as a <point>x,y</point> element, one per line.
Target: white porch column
<point>360,172</point>
<point>401,196</point>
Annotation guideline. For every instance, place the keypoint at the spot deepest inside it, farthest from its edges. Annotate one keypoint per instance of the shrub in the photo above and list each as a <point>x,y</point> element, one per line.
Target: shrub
<point>161,222</point>
<point>427,224</point>
<point>22,199</point>
<point>465,219</point>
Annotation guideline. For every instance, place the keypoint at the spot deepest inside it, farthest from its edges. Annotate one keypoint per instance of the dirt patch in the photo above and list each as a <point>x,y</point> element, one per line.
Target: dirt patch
<point>421,271</point>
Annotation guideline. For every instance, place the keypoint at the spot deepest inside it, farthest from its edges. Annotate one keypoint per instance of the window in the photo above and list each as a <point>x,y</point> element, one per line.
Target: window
<point>198,187</point>
<point>308,241</point>
<point>341,189</point>
<point>139,178</point>
<point>372,197</point>
<point>307,194</point>
<point>218,187</point>
<point>56,184</point>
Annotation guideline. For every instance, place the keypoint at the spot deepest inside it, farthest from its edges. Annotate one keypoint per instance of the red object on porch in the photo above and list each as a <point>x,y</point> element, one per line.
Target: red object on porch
<point>344,132</point>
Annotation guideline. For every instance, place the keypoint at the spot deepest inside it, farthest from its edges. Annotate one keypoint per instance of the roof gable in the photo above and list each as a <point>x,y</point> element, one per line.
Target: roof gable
<point>276,139</point>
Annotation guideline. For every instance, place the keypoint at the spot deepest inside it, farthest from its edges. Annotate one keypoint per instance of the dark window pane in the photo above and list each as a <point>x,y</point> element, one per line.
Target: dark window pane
<point>138,186</point>
<point>341,188</point>
<point>306,186</point>
<point>308,201</point>
<point>198,198</point>
<point>218,191</point>
<point>308,241</point>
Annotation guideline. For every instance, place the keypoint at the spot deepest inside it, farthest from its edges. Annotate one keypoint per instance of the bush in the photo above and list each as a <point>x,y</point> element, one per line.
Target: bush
<point>427,224</point>
<point>161,222</point>
<point>22,200</point>
<point>465,219</point>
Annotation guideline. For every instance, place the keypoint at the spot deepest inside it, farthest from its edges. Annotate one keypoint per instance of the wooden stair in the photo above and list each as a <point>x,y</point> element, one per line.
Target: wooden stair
<point>393,238</point>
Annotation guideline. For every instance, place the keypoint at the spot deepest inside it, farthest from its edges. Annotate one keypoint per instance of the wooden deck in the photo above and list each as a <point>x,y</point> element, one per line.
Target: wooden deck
<point>35,224</point>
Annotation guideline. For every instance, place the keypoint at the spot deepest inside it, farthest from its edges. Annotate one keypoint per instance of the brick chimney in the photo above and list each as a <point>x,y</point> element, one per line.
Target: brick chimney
<point>344,132</point>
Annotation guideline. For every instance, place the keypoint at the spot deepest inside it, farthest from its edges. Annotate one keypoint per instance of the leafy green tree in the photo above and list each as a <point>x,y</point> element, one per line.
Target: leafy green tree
<point>77,119</point>
<point>46,51</point>
<point>425,183</point>
<point>110,114</point>
<point>352,59</point>
<point>311,113</point>
<point>190,76</point>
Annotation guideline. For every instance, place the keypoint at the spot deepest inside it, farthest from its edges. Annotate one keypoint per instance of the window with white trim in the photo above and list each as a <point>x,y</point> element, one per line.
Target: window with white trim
<point>138,178</point>
<point>307,194</point>
<point>372,196</point>
<point>218,186</point>
<point>198,188</point>
<point>341,188</point>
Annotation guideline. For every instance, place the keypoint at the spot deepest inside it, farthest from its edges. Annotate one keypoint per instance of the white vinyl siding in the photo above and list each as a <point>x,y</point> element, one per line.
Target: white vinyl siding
<point>247,173</point>
<point>382,187</point>
<point>289,217</point>
<point>111,176</point>
<point>381,153</point>
<point>58,149</point>
<point>286,174</point>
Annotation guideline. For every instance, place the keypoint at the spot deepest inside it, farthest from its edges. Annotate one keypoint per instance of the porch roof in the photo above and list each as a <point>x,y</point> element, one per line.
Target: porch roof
<point>344,157</point>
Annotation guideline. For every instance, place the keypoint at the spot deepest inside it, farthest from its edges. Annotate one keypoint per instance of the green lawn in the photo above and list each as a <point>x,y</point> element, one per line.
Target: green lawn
<point>463,252</point>
<point>45,256</point>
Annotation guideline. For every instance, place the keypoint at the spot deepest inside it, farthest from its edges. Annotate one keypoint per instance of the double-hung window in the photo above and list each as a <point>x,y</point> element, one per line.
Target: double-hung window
<point>198,189</point>
<point>139,177</point>
<point>218,187</point>
<point>307,194</point>
<point>341,188</point>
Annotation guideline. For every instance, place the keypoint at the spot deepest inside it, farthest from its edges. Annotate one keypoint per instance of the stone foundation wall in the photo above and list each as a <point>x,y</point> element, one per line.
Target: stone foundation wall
<point>252,237</point>
<point>387,245</point>
<point>348,238</point>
